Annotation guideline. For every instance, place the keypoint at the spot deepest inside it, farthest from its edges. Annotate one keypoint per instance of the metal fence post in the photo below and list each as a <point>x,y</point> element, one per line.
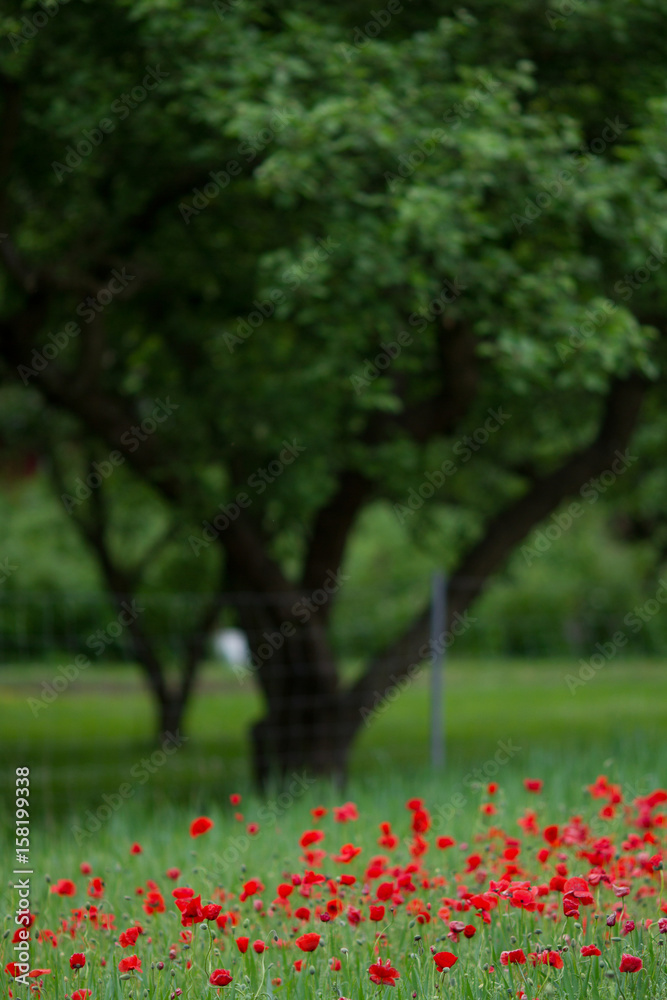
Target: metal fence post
<point>438,626</point>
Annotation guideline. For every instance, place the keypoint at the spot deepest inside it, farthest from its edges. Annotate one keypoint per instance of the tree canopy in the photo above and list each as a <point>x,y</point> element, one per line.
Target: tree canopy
<point>270,265</point>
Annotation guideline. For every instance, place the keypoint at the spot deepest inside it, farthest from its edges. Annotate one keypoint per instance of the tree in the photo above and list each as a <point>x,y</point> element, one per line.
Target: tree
<point>280,264</point>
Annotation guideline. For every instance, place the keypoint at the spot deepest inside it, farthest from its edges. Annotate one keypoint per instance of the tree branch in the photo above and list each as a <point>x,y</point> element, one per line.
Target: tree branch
<point>503,533</point>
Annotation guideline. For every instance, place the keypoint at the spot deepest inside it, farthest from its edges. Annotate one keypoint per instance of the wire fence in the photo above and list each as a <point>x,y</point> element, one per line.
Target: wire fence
<point>36,626</point>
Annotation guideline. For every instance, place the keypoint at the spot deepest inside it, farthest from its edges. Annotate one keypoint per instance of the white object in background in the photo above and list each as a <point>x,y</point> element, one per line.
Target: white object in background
<point>231,645</point>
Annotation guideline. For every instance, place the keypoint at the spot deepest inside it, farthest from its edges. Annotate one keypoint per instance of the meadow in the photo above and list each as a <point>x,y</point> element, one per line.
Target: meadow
<point>485,880</point>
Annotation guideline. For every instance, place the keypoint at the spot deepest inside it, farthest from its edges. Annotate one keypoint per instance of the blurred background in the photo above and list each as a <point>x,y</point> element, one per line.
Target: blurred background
<point>332,392</point>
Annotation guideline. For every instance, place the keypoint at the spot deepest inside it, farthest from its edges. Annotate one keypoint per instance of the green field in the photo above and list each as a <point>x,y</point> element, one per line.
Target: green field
<point>90,738</point>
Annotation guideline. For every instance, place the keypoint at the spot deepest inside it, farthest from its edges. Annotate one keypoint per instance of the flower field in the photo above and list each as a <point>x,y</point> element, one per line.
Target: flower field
<point>331,901</point>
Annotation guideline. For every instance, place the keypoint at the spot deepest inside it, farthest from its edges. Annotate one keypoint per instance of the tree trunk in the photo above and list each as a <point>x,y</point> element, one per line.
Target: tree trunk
<point>171,708</point>
<point>293,665</point>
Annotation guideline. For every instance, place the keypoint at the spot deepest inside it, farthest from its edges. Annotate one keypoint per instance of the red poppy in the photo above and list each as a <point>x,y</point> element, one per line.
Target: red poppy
<point>303,913</point>
<point>128,938</point>
<point>444,960</point>
<point>376,913</point>
<point>200,825</point>
<point>136,849</point>
<point>629,963</point>
<point>235,798</point>
<point>85,868</point>
<point>130,964</point>
<point>220,977</point>
<point>383,975</point>
<point>298,964</point>
<point>242,944</point>
<point>173,873</point>
<point>258,946</point>
<point>82,994</point>
<point>346,853</point>
<point>318,812</point>
<point>533,785</point>
<point>252,886</point>
<point>311,837</point>
<point>96,888</point>
<point>345,813</point>
<point>587,950</point>
<point>444,842</point>
<point>308,942</point>
<point>77,961</point>
<point>385,890</point>
<point>515,957</point>
<point>64,887</point>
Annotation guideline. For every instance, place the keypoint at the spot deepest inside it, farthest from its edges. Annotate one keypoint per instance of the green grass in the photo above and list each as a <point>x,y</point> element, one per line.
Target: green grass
<point>226,856</point>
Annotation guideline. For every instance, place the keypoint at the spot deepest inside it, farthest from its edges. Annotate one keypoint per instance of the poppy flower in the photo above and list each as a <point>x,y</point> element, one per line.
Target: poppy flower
<point>310,837</point>
<point>515,957</point>
<point>258,946</point>
<point>345,813</point>
<point>444,842</point>
<point>128,938</point>
<point>346,854</point>
<point>130,964</point>
<point>200,825</point>
<point>630,963</point>
<point>533,785</point>
<point>444,960</point>
<point>64,887</point>
<point>376,913</point>
<point>173,873</point>
<point>136,849</point>
<point>298,964</point>
<point>77,960</point>
<point>588,950</point>
<point>308,942</point>
<point>383,975</point>
<point>242,944</point>
<point>85,868</point>
<point>82,994</point>
<point>302,913</point>
<point>220,977</point>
